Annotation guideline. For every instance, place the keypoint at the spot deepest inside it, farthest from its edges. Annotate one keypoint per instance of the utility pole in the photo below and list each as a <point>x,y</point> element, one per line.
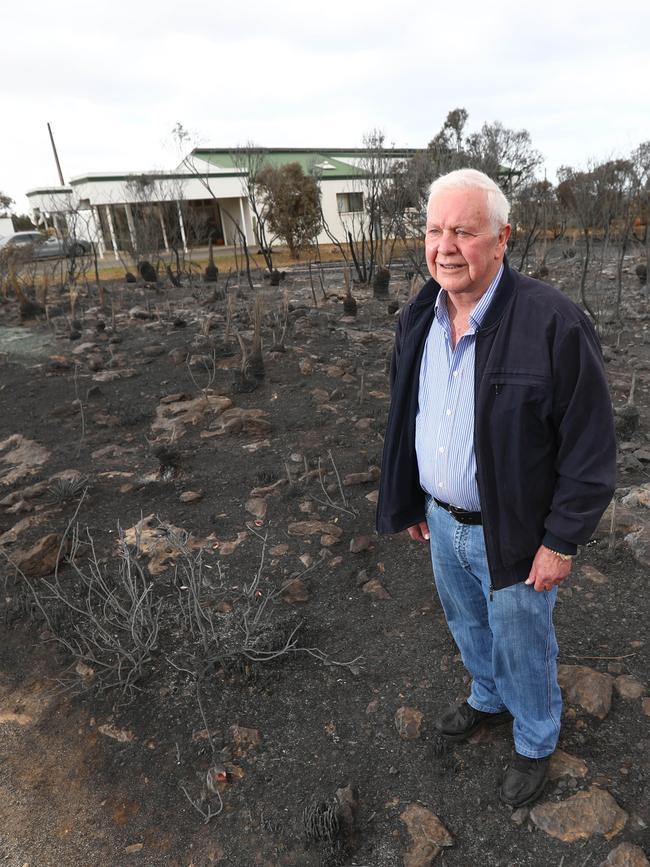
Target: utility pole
<point>56,156</point>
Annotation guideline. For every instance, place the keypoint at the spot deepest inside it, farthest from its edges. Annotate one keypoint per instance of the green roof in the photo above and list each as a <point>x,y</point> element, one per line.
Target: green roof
<point>326,162</point>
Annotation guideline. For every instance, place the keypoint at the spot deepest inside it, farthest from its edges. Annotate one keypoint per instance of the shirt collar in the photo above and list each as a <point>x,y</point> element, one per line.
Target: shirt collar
<point>478,313</point>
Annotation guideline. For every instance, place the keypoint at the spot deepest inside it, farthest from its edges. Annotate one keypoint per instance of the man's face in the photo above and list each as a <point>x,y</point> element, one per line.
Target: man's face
<point>463,251</point>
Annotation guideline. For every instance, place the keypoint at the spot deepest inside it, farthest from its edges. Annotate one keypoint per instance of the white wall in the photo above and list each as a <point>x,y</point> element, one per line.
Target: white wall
<point>82,224</point>
<point>114,191</point>
<point>80,221</point>
<point>53,200</point>
<point>6,226</point>
<point>231,213</point>
<point>339,224</point>
<point>227,190</point>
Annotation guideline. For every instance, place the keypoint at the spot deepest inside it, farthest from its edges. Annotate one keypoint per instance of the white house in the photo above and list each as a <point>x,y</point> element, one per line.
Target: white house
<point>203,199</point>
<point>6,226</point>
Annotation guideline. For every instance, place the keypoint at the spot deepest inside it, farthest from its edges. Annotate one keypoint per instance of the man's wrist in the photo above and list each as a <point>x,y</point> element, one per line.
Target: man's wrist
<point>560,546</point>
<point>559,555</point>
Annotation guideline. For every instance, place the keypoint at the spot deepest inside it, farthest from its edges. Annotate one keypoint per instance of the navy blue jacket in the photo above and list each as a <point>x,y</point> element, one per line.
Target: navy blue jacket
<point>543,425</point>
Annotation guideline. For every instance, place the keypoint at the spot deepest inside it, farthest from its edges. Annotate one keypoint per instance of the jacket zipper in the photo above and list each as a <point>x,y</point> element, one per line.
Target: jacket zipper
<point>405,327</point>
<point>497,389</point>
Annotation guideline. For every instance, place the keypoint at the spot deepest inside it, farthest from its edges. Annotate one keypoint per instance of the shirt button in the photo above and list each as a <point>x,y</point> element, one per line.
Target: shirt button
<point>448,412</point>
<point>455,373</point>
<point>441,484</point>
<point>441,449</point>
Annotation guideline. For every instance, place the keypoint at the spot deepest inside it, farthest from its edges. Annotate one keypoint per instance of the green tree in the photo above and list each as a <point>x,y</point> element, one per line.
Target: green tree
<point>446,150</point>
<point>506,155</point>
<point>5,202</point>
<point>292,202</point>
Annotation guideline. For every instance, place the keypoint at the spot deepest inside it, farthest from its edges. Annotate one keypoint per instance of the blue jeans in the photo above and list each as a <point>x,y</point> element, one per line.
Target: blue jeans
<point>507,644</point>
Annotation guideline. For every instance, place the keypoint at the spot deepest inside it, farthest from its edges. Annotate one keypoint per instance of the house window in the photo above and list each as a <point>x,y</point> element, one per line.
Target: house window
<point>349,203</point>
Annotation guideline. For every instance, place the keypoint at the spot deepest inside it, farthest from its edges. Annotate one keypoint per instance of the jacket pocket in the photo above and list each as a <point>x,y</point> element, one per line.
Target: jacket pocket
<point>519,378</point>
<point>518,387</point>
<point>519,410</point>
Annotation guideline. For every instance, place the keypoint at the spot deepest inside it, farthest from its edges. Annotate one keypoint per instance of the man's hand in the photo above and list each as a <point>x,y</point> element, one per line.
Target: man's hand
<point>547,570</point>
<point>419,532</point>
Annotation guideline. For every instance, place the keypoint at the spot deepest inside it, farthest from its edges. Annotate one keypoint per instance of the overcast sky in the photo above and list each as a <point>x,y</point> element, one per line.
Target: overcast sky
<point>113,78</point>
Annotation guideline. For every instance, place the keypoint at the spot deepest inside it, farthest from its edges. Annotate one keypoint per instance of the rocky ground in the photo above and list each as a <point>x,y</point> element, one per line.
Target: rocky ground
<point>207,655</point>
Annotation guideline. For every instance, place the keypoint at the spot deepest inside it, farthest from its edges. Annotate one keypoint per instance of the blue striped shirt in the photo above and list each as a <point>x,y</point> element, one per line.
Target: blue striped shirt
<point>444,426</point>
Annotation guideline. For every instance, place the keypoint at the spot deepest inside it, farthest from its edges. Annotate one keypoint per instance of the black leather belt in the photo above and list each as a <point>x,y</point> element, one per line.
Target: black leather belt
<point>461,515</point>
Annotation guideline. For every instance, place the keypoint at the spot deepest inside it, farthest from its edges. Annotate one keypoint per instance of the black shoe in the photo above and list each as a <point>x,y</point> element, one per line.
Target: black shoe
<point>524,780</point>
<point>462,721</point>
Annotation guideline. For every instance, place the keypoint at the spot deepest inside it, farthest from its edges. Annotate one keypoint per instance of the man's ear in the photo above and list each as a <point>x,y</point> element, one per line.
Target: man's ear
<point>504,234</point>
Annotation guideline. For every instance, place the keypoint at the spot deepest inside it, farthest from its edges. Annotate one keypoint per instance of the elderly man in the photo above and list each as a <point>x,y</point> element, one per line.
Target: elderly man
<point>500,451</point>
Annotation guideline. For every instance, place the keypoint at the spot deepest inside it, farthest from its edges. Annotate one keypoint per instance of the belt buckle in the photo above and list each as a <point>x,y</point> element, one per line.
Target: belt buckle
<point>458,514</point>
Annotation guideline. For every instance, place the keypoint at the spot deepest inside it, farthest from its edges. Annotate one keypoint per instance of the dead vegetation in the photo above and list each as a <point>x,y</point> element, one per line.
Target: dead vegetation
<point>193,635</point>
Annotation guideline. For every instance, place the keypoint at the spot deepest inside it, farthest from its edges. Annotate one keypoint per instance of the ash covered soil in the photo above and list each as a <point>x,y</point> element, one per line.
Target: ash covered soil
<point>228,666</point>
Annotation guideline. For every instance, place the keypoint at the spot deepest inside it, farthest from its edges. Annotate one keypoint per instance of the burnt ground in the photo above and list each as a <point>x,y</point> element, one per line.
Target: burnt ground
<point>92,773</point>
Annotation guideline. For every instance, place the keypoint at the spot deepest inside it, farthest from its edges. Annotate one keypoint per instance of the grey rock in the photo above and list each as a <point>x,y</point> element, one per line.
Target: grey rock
<point>408,721</point>
<point>359,544</point>
<point>587,688</point>
<point>626,855</point>
<point>428,836</point>
<point>580,816</point>
<point>629,687</point>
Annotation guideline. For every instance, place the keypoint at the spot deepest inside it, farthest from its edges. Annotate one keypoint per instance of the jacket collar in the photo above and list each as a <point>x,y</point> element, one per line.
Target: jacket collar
<point>502,296</point>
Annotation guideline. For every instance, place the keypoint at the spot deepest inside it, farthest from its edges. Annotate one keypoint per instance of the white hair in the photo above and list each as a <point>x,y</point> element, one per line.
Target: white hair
<point>471,179</point>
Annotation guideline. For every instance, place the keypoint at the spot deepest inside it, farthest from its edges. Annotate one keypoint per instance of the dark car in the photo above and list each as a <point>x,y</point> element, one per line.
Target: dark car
<point>37,245</point>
